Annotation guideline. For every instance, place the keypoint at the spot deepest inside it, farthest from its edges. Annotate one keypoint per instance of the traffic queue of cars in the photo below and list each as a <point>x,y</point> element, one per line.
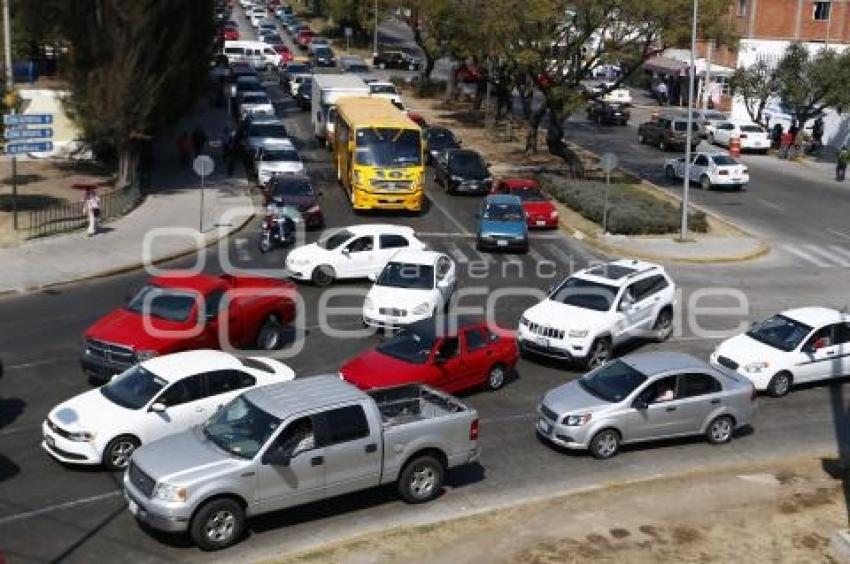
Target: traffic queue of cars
<point>209,439</point>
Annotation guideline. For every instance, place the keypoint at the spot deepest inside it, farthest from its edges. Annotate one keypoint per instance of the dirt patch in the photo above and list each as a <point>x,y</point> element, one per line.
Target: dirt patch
<point>706,517</point>
<point>42,184</point>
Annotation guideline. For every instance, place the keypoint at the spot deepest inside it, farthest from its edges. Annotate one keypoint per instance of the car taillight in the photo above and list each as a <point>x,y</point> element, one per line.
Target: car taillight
<point>723,172</point>
<point>473,430</point>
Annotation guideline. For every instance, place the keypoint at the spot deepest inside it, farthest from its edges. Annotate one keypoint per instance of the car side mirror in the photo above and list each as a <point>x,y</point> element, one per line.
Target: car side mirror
<point>276,457</point>
<point>346,252</point>
<point>626,304</point>
<point>373,276</point>
<point>439,360</point>
<point>640,404</point>
<point>821,343</point>
<point>157,407</point>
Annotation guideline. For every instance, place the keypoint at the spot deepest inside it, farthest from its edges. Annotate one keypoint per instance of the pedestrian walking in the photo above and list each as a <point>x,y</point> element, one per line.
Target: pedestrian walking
<point>785,142</point>
<point>199,140</point>
<point>91,206</point>
<point>817,134</point>
<point>184,148</point>
<point>841,163</point>
<point>776,135</point>
<point>662,92</point>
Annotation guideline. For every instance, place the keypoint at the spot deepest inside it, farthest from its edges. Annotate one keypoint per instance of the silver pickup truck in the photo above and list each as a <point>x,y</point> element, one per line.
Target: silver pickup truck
<point>293,443</point>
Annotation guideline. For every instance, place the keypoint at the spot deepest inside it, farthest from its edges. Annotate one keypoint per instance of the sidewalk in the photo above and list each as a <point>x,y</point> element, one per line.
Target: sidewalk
<point>172,202</point>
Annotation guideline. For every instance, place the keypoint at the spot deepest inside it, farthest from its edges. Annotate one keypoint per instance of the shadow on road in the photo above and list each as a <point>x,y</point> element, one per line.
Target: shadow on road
<point>839,469</point>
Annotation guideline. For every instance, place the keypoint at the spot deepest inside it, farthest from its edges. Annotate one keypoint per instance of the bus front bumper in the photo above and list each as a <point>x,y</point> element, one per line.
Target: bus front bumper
<point>411,201</point>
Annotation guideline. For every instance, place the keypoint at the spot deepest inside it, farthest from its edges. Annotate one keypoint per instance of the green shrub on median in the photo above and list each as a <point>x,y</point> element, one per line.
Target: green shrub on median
<point>631,211</point>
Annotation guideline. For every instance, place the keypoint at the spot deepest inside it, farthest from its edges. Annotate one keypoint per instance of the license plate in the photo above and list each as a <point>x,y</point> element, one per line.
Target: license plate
<point>541,223</point>
<point>51,442</point>
<point>542,342</point>
<point>544,426</point>
<point>502,243</point>
<point>133,506</point>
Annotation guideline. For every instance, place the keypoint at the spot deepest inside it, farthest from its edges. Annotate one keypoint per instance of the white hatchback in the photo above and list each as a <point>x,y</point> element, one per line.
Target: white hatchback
<point>357,251</point>
<point>159,397</point>
<point>710,169</point>
<point>753,136</point>
<point>277,157</point>
<point>793,347</point>
<point>413,286</point>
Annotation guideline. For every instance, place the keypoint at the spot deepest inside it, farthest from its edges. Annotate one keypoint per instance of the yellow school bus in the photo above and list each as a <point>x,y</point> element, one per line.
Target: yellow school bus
<point>379,155</point>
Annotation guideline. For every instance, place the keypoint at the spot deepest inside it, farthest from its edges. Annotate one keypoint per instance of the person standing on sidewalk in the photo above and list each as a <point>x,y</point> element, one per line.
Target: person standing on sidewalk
<point>199,140</point>
<point>184,148</point>
<point>841,163</point>
<point>91,206</point>
<point>225,143</point>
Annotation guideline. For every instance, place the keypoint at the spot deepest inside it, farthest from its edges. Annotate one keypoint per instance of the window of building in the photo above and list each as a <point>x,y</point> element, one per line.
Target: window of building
<point>822,10</point>
<point>742,8</point>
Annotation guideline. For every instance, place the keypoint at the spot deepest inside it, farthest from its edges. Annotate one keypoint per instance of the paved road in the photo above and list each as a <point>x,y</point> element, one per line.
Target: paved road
<point>49,512</point>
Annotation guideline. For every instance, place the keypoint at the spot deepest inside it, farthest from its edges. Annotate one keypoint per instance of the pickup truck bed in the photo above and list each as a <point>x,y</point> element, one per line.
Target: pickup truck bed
<point>407,404</point>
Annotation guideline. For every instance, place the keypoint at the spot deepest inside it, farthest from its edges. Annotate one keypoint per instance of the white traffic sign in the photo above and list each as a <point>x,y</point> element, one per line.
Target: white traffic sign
<point>608,162</point>
<point>27,119</point>
<point>203,165</point>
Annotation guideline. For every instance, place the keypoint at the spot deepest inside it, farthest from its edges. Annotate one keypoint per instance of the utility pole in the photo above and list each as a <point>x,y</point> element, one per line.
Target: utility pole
<point>686,183</point>
<point>707,80</point>
<point>375,45</point>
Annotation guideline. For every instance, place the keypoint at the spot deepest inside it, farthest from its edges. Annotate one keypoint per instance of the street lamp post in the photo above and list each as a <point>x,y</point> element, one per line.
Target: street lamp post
<point>686,183</point>
<point>375,44</point>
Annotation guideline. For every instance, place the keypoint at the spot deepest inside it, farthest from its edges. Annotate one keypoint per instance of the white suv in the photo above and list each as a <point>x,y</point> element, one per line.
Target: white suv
<point>599,308</point>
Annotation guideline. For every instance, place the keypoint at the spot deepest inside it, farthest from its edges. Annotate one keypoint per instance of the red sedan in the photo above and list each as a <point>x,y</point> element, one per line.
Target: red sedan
<point>284,52</point>
<point>539,209</point>
<point>230,34</point>
<point>432,352</point>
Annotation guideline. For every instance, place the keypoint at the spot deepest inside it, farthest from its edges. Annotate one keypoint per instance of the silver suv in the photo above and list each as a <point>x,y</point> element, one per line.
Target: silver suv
<point>644,397</point>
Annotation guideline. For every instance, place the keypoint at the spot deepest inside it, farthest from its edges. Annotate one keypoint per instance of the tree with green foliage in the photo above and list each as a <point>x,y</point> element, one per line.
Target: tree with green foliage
<point>756,85</point>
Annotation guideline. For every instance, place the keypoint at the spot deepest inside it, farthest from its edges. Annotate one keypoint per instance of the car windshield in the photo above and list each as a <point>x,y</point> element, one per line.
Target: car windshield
<point>613,383</point>
<point>409,276</point>
<point>295,69</point>
<point>358,68</point>
<point>503,212</point>
<point>723,160</point>
<point>274,39</point>
<point>382,89</point>
<point>134,388</point>
<point>529,194</point>
<point>585,294</point>
<point>683,125</point>
<point>255,99</point>
<point>386,146</point>
<point>715,117</point>
<point>409,346</point>
<point>241,428</point>
<point>439,137</point>
<point>289,155</point>
<point>335,239</point>
<point>321,52</point>
<point>274,130</point>
<point>290,187</point>
<point>752,129</point>
<point>780,332</point>
<point>467,164</point>
<point>162,303</point>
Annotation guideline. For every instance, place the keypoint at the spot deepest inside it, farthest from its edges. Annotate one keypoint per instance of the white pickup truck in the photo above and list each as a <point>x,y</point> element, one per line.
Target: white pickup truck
<point>293,443</point>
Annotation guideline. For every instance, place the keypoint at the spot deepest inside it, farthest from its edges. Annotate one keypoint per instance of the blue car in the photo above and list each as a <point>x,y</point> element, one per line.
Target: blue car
<point>502,224</point>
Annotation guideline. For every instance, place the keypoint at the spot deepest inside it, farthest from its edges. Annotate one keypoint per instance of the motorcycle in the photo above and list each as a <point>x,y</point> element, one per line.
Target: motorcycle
<point>277,229</point>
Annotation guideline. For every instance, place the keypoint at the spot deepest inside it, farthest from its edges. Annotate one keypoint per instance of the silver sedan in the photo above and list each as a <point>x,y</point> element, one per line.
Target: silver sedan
<point>645,397</point>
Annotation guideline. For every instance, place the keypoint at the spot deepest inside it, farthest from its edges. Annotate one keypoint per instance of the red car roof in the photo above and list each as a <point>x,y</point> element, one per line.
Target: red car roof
<point>519,183</point>
<point>201,283</point>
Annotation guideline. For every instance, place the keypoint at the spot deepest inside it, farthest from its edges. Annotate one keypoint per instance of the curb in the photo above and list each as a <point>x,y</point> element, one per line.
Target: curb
<point>129,268</point>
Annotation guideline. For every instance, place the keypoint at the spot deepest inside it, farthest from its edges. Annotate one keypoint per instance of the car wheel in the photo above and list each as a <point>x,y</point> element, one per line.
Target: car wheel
<point>217,524</point>
<point>421,480</point>
<point>720,430</point>
<point>600,353</point>
<point>605,444</point>
<point>670,172</point>
<point>663,326</point>
<point>269,337</point>
<point>323,275</point>
<point>496,377</point>
<point>382,66</point>
<point>780,385</point>
<point>116,455</point>
<point>705,182</point>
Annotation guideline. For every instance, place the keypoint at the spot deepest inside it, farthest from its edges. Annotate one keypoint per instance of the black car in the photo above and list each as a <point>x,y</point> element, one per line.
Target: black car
<point>296,190</point>
<point>305,95</point>
<point>396,60</point>
<point>462,170</point>
<point>437,140</point>
<point>608,113</point>
<point>323,57</point>
<point>291,69</point>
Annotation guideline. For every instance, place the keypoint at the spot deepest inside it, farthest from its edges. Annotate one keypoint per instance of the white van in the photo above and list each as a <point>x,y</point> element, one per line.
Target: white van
<point>257,53</point>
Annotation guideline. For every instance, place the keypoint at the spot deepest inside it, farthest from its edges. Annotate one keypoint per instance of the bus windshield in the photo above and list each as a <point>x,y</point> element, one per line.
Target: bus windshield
<point>379,146</point>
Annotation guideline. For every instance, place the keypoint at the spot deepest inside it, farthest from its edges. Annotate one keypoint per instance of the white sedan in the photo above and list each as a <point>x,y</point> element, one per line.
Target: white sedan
<point>413,286</point>
<point>254,104</point>
<point>622,95</point>
<point>357,251</point>
<point>794,347</point>
<point>709,170</point>
<point>277,157</point>
<point>753,136</point>
<point>159,397</point>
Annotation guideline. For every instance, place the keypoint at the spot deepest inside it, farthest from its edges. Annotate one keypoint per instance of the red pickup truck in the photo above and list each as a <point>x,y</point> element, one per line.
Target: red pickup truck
<point>304,38</point>
<point>179,312</point>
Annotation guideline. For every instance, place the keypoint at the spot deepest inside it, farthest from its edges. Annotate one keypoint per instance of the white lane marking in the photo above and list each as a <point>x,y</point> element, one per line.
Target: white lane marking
<point>482,256</point>
<point>803,255</point>
<point>58,507</point>
<point>450,217</point>
<point>512,259</point>
<point>456,253</point>
<point>558,252</point>
<point>827,255</point>
<point>838,233</point>
<point>771,205</point>
<point>840,251</point>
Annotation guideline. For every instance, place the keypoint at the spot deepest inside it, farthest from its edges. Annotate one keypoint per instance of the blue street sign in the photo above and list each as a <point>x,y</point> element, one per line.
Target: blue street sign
<point>27,119</point>
<point>25,133</point>
<point>20,148</point>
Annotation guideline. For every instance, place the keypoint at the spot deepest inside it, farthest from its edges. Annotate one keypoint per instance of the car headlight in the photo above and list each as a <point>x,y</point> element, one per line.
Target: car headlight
<point>755,367</point>
<point>456,178</point>
<point>314,209</point>
<point>168,492</point>
<point>578,333</point>
<point>576,420</point>
<point>142,356</point>
<point>82,436</point>
<point>367,304</point>
<point>422,308</point>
